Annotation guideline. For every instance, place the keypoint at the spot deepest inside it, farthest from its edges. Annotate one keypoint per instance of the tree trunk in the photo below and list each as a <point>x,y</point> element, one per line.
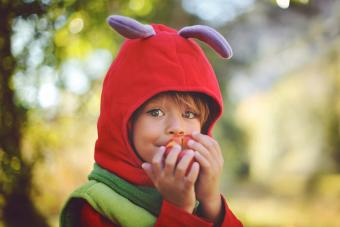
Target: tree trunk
<point>15,175</point>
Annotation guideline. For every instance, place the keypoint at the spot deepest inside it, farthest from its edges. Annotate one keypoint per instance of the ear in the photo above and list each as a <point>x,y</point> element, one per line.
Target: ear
<point>130,28</point>
<point>210,36</point>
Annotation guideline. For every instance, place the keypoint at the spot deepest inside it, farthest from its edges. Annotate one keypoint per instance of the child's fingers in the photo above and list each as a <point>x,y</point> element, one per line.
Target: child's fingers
<point>183,164</point>
<point>206,140</point>
<point>148,170</point>
<point>158,159</point>
<point>201,149</point>
<point>202,160</point>
<point>209,143</point>
<point>171,159</point>
<point>193,174</point>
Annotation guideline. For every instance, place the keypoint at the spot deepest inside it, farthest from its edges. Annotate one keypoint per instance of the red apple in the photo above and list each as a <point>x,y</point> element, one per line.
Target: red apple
<point>183,141</point>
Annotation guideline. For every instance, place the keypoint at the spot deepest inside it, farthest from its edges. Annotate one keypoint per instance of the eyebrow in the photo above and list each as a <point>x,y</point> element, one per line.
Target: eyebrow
<point>156,102</point>
<point>151,105</point>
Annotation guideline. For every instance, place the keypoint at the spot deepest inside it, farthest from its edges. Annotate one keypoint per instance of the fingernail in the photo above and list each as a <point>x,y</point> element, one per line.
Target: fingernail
<point>190,152</point>
<point>194,133</point>
<point>144,165</point>
<point>177,147</point>
<point>191,142</point>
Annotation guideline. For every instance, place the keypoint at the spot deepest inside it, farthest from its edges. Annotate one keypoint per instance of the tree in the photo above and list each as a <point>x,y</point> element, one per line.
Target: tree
<point>15,172</point>
<point>18,208</point>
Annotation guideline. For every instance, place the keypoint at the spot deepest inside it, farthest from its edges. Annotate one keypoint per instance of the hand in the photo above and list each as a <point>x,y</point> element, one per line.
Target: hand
<point>171,180</point>
<point>208,154</point>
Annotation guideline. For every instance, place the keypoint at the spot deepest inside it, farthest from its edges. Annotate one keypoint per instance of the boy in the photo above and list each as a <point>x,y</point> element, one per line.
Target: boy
<point>160,85</point>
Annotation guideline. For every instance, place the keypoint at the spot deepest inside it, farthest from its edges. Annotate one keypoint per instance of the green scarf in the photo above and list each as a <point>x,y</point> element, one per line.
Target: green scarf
<point>146,197</point>
<point>115,199</point>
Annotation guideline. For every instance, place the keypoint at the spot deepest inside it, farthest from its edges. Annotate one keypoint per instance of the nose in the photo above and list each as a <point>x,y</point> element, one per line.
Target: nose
<point>175,126</point>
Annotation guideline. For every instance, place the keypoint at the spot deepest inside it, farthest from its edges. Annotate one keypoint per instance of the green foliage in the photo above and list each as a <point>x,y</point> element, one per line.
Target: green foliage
<point>55,143</point>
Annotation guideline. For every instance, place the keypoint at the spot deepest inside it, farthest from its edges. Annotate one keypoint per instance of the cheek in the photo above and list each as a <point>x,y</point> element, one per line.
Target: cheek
<point>144,136</point>
<point>194,125</point>
<point>145,130</point>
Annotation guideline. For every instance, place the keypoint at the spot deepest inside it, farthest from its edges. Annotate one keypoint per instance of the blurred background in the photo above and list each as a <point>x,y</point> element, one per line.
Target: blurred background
<point>280,132</point>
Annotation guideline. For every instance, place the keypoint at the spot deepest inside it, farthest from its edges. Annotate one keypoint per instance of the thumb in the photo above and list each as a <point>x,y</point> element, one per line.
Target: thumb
<point>148,170</point>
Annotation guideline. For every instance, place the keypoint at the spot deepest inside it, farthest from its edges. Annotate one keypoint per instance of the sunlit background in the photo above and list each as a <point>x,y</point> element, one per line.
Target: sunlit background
<point>280,132</point>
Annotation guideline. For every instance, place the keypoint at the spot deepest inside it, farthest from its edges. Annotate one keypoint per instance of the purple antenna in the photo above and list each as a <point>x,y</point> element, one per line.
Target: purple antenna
<point>210,36</point>
<point>130,28</point>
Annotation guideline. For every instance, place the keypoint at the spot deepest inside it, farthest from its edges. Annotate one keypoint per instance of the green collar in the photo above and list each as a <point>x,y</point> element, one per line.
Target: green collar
<point>146,197</point>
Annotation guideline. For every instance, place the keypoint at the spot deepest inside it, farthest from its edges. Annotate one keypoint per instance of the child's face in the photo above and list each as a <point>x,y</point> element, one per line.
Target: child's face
<point>159,120</point>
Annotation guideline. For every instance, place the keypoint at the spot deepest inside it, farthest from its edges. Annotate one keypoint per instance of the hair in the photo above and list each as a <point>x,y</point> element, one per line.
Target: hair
<point>198,102</point>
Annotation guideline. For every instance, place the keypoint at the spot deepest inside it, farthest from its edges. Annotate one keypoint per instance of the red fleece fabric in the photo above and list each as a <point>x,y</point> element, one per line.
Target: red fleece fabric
<point>142,69</point>
<point>89,217</point>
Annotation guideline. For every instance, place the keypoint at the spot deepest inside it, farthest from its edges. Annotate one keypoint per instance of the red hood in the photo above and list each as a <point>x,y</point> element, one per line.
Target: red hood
<point>142,69</point>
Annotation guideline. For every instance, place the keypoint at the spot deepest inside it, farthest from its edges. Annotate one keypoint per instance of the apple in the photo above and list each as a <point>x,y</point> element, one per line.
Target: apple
<point>183,141</point>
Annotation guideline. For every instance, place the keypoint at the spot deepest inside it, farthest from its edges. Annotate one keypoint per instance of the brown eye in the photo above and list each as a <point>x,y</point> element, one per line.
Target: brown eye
<point>155,113</point>
<point>190,114</point>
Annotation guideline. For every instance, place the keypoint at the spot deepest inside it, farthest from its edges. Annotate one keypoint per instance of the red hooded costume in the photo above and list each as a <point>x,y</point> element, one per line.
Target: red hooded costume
<point>144,67</point>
